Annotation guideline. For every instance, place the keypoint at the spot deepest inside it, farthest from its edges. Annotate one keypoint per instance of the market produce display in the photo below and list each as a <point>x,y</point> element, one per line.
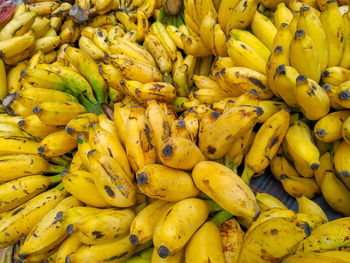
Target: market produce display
<point>130,131</point>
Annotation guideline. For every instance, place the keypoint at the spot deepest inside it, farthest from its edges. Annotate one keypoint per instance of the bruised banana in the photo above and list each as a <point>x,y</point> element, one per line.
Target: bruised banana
<point>152,182</point>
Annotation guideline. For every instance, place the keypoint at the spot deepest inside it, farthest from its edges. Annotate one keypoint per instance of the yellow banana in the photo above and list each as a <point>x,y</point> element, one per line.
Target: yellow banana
<point>20,221</point>
<point>264,29</point>
<point>37,58</point>
<point>81,185</point>
<point>57,112</point>
<point>253,60</point>
<point>302,148</point>
<point>281,237</point>
<point>342,162</point>
<point>158,52</point>
<point>225,130</point>
<point>18,191</point>
<point>206,29</point>
<point>104,227</point>
<point>57,143</point>
<point>48,232</point>
<point>193,212</point>
<point>219,41</point>
<point>34,126</point>
<point>67,247</point>
<point>316,257</point>
<point>176,258</point>
<point>266,201</point>
<point>344,61</point>
<point>336,232</point>
<point>47,43</point>
<point>18,26</point>
<point>310,95</point>
<point>175,35</point>
<point>194,46</point>
<point>225,11</point>
<point>80,124</point>
<point>111,181</point>
<point>115,251</point>
<point>143,225</point>
<point>151,182</point>
<point>303,47</point>
<point>43,8</point>
<point>332,22</point>
<point>329,128</point>
<point>67,31</point>
<point>18,145</point>
<point>346,130</point>
<point>159,30</point>
<point>282,15</point>
<point>332,92</point>
<point>242,15</point>
<point>280,165</point>
<point>205,244</point>
<point>343,93</point>
<point>13,77</point>
<point>109,144</point>
<point>16,45</point>
<point>335,75</point>
<point>296,186</point>
<point>311,24</point>
<point>213,186</point>
<point>40,26</point>
<point>265,145</point>
<point>325,164</point>
<point>307,206</point>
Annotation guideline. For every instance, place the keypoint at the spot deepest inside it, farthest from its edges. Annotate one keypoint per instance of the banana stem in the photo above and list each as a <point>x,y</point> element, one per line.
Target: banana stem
<point>203,196</point>
<point>247,175</point>
<point>213,206</point>
<point>90,106</point>
<point>229,162</point>
<point>143,246</point>
<point>57,168</point>
<point>59,186</point>
<point>55,178</point>
<point>221,217</point>
<point>60,160</point>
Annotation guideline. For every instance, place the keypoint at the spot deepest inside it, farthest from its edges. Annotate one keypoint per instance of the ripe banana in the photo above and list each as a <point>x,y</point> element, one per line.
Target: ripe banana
<point>158,52</point>
<point>296,186</point>
<point>307,206</point>
<point>263,28</point>
<point>11,145</point>
<point>34,126</point>
<point>266,202</point>
<point>280,165</point>
<point>329,128</point>
<point>240,202</point>
<point>57,143</point>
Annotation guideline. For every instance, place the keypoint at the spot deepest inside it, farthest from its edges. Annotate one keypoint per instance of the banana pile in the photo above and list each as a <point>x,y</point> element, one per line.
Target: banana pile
<point>130,131</point>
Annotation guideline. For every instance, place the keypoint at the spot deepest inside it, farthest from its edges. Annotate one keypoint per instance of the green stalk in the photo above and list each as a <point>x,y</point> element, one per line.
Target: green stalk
<point>221,217</point>
<point>55,179</point>
<point>143,246</point>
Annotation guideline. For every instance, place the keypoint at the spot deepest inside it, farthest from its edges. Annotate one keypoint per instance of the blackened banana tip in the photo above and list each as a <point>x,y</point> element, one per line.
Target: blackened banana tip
<point>163,252</point>
<point>142,178</point>
<point>133,239</point>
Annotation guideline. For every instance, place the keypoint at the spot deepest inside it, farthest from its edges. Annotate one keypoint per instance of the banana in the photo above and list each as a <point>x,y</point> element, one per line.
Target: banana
<point>180,153</point>
<point>81,185</point>
<point>62,11</point>
<point>311,24</point>
<point>112,75</point>
<point>137,69</point>
<point>67,247</point>
<point>283,38</point>
<point>43,8</point>
<point>56,23</point>
<point>40,26</point>
<point>20,221</point>
<point>151,182</point>
<point>253,60</point>
<point>18,26</point>
<point>143,225</point>
<point>346,130</point>
<point>57,143</point>
<point>274,239</point>
<point>302,148</point>
<point>225,11</point>
<point>18,145</point>
<point>296,186</point>
<point>115,32</point>
<point>332,22</point>
<point>280,165</point>
<point>111,181</point>
<point>193,45</point>
<point>57,112</point>
<point>335,192</point>
<point>104,227</point>
<point>49,230</point>
<point>205,244</point>
<point>8,129</point>
<point>34,126</point>
<point>115,251</point>
<point>107,143</point>
<point>20,9</point>
<point>282,15</point>
<point>178,257</point>
<point>332,92</point>
<point>102,20</point>
<point>213,186</point>
<point>80,124</point>
<point>225,130</point>
<point>168,242</point>
<point>245,79</point>
<point>329,128</point>
<point>232,239</point>
<point>16,45</point>
<point>285,85</point>
<point>158,52</point>
<point>312,99</point>
<point>99,38</point>
<point>342,162</point>
<point>314,257</point>
<point>266,201</point>
<point>37,58</point>
<point>242,15</point>
<point>121,116</point>
<point>175,35</point>
<point>265,145</point>
<point>303,47</point>
<point>335,75</point>
<point>47,43</point>
<point>159,30</point>
<point>344,61</point>
<point>264,29</point>
<point>89,69</point>
<point>130,49</point>
<point>67,31</point>
<point>13,77</point>
<point>206,29</point>
<point>18,191</point>
<point>343,93</point>
<point>307,206</point>
<point>178,129</point>
<point>219,41</point>
<point>326,165</point>
<point>336,232</point>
